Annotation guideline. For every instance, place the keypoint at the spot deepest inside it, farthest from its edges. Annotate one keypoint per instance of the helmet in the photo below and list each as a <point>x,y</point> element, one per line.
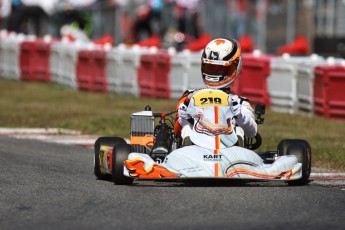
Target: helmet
<point>221,62</point>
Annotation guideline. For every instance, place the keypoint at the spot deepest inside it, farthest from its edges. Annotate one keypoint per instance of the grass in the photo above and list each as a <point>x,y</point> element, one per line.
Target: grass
<point>33,104</point>
<point>27,104</point>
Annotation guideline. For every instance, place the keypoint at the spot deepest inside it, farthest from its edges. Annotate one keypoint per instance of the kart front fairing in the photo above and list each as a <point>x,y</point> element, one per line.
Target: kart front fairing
<point>198,162</point>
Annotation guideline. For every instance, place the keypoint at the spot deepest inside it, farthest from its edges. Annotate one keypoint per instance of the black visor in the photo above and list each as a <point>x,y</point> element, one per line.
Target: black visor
<point>218,70</point>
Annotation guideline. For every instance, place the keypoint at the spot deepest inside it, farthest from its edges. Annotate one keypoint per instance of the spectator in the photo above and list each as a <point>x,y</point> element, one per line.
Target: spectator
<point>237,18</point>
<point>156,7</point>
<point>12,24</point>
<point>30,12</point>
<point>72,12</point>
<point>188,17</point>
<point>148,19</point>
<point>126,21</point>
<point>5,10</point>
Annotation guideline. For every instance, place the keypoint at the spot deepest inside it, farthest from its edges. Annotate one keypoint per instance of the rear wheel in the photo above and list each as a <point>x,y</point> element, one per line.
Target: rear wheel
<point>302,150</point>
<point>120,154</point>
<point>104,141</point>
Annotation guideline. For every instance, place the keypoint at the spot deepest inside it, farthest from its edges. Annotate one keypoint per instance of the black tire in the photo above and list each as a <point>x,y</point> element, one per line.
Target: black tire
<point>101,141</point>
<point>302,150</point>
<point>257,143</point>
<point>120,154</point>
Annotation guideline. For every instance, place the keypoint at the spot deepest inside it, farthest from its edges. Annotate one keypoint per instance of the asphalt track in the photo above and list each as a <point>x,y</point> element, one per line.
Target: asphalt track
<point>52,186</point>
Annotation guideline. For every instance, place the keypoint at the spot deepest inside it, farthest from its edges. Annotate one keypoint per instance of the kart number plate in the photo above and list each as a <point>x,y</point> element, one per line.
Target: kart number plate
<point>211,98</point>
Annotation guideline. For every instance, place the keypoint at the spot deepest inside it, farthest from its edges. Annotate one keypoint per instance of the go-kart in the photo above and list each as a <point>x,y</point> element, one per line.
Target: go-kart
<point>154,153</point>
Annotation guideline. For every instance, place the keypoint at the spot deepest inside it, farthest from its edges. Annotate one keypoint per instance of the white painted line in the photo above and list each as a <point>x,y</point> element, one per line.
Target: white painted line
<point>52,137</point>
<point>62,139</point>
<point>70,139</point>
<point>9,131</point>
<point>73,142</point>
<point>327,175</point>
<point>89,142</point>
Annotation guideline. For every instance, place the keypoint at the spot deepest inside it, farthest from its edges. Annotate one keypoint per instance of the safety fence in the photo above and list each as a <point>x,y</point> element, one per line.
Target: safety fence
<point>304,85</point>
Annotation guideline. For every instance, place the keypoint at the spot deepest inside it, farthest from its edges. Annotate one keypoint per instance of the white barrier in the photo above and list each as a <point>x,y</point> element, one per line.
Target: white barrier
<point>305,83</point>
<point>122,69</point>
<point>194,72</point>
<point>282,82</point>
<point>9,56</point>
<point>63,62</point>
<point>113,63</point>
<point>70,60</point>
<point>56,59</point>
<point>185,73</point>
<point>2,57</point>
<point>178,76</point>
<point>290,84</point>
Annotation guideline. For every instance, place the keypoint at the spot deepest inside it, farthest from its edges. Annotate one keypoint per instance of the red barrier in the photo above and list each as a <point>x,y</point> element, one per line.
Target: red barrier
<point>35,60</point>
<point>27,60</point>
<point>246,43</point>
<point>235,87</point>
<point>91,70</point>
<point>42,65</point>
<point>99,71</point>
<point>199,43</point>
<point>106,39</point>
<point>153,41</point>
<point>300,46</point>
<point>145,75</point>
<point>153,76</point>
<point>161,77</point>
<point>329,98</point>
<point>84,65</point>
<point>252,81</point>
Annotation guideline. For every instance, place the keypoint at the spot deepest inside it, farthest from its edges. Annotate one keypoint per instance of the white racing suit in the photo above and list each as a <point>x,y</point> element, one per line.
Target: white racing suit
<point>214,153</point>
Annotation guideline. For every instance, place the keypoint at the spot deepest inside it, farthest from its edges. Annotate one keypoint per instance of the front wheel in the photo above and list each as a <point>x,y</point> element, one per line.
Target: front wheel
<point>120,154</point>
<point>103,141</point>
<point>302,150</point>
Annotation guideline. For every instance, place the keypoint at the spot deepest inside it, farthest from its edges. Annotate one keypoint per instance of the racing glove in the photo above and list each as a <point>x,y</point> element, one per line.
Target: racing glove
<point>237,111</point>
<point>183,114</point>
<point>236,107</point>
<point>244,117</point>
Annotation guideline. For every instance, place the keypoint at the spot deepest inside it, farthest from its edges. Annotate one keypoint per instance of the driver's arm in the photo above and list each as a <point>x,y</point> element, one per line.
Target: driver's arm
<point>244,116</point>
<point>179,121</point>
<point>248,124</point>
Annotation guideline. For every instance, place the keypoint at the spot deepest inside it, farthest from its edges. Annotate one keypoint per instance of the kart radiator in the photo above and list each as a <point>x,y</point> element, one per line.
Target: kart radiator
<point>142,130</point>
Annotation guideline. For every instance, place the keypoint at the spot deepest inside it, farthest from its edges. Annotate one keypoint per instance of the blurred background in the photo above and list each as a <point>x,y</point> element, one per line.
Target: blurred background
<point>298,27</point>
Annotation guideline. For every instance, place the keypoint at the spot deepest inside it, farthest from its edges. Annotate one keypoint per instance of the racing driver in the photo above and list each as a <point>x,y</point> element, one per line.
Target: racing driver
<point>220,66</point>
